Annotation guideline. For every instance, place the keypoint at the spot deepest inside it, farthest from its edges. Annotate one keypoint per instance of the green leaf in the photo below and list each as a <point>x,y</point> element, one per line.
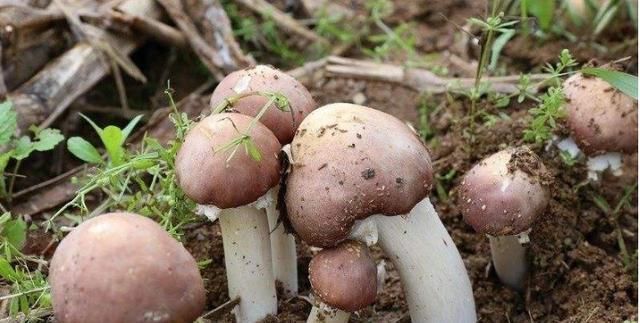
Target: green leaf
<point>127,130</point>
<point>498,45</point>
<point>83,150</point>
<point>112,139</point>
<point>8,122</point>
<point>47,139</point>
<point>252,150</point>
<point>6,271</point>
<point>15,231</point>
<point>626,83</point>
<point>543,10</point>
<point>23,148</point>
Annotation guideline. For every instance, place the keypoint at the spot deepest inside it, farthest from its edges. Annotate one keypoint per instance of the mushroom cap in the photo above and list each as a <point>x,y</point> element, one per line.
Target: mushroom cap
<point>505,192</point>
<point>208,176</point>
<point>265,78</point>
<point>122,268</point>
<point>344,277</point>
<point>601,118</point>
<point>350,162</point>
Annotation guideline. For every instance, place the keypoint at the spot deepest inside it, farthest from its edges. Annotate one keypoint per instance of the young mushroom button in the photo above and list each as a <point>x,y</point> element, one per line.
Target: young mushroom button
<point>122,268</point>
<point>603,123</point>
<point>601,118</point>
<point>264,78</point>
<point>502,196</point>
<point>344,278</point>
<point>215,168</point>
<point>353,169</point>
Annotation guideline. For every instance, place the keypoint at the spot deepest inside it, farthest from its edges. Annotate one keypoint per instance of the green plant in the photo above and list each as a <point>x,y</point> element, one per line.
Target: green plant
<point>545,116</point>
<point>29,289</point>
<point>112,137</point>
<point>19,148</point>
<point>143,181</point>
<point>13,233</point>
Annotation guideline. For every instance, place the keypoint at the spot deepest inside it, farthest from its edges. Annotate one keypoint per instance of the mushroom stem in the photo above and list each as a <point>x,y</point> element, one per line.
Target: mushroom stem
<point>433,276</point>
<point>324,313</point>
<point>509,260</point>
<point>283,251</point>
<point>247,255</point>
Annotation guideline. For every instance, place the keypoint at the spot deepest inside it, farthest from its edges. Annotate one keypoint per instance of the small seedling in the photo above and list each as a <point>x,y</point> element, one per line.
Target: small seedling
<point>112,137</point>
<point>19,148</point>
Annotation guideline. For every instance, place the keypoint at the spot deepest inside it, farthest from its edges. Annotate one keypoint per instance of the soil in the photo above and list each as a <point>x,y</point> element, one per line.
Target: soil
<point>577,270</point>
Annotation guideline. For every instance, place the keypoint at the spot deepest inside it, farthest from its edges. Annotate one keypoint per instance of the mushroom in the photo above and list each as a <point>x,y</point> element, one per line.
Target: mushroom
<point>261,79</point>
<point>217,167</point>
<point>603,123</point>
<point>344,278</point>
<point>502,196</point>
<point>254,83</point>
<point>123,267</point>
<point>355,164</point>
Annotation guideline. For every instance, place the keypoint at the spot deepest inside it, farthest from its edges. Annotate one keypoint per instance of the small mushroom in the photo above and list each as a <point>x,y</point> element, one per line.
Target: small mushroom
<point>603,123</point>
<point>344,278</point>
<point>228,182</point>
<point>264,78</point>
<point>354,167</point>
<point>502,196</point>
<point>121,268</point>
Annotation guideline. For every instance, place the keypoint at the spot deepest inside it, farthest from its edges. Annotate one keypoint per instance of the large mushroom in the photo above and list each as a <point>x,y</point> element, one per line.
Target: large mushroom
<point>227,164</point>
<point>351,163</point>
<point>245,91</point>
<point>122,268</point>
<point>603,123</point>
<point>344,278</point>
<point>502,196</point>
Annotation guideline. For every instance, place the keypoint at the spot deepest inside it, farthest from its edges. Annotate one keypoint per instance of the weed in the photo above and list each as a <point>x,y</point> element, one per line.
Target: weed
<point>545,116</point>
<point>18,148</point>
<point>143,181</point>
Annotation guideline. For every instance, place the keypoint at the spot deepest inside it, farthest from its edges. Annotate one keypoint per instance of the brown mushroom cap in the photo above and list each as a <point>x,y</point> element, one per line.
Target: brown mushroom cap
<point>123,268</point>
<point>208,177</point>
<point>351,162</point>
<point>264,78</point>
<point>505,192</point>
<point>601,118</point>
<point>344,277</point>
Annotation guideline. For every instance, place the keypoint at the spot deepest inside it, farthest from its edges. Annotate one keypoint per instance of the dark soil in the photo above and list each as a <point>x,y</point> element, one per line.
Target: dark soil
<point>577,269</point>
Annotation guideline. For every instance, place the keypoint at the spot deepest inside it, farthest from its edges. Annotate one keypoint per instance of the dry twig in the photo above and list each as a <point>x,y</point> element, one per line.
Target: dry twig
<point>418,79</point>
<point>66,78</point>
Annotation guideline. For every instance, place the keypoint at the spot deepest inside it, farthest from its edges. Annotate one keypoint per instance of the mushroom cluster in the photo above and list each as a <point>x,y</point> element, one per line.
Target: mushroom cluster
<point>361,173</point>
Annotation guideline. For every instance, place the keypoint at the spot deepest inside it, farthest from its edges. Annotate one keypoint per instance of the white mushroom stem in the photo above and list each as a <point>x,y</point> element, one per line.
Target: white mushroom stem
<point>324,313</point>
<point>283,251</point>
<point>434,279</point>
<point>247,255</point>
<point>509,258</point>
